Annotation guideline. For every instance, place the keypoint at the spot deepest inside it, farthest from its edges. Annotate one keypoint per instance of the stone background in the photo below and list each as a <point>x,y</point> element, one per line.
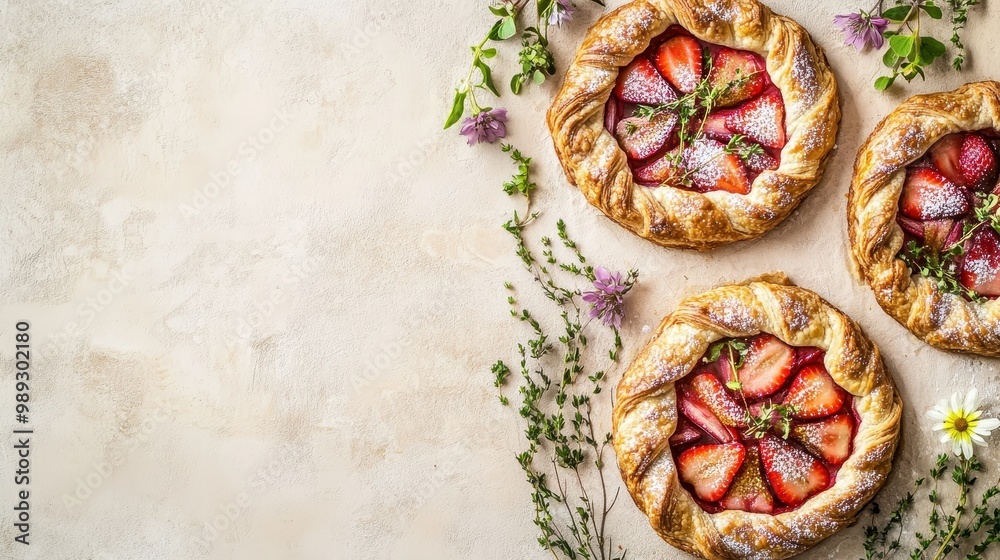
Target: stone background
<point>265,287</point>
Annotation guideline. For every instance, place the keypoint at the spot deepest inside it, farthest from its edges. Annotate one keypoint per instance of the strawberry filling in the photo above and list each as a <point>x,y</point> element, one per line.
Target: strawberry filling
<point>697,116</point>
<point>762,426</point>
<point>948,211</point>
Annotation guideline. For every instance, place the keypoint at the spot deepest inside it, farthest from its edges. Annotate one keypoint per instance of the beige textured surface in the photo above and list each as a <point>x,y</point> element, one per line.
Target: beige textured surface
<point>303,359</point>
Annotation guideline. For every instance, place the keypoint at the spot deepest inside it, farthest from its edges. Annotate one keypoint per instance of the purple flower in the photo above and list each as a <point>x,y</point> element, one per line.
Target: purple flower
<point>861,29</point>
<point>486,125</point>
<point>607,301</point>
<point>562,11</point>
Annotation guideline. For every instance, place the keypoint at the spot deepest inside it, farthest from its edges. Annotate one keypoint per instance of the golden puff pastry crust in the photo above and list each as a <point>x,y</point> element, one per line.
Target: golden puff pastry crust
<point>594,162</point>
<point>943,320</point>
<point>645,416</point>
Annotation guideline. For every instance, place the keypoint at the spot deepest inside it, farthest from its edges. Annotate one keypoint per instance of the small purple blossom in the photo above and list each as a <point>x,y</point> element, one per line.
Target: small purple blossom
<point>607,300</point>
<point>486,125</point>
<point>861,29</point>
<point>562,11</point>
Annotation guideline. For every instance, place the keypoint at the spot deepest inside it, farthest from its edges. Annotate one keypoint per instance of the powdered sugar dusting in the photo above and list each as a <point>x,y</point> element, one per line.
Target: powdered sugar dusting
<point>702,159</point>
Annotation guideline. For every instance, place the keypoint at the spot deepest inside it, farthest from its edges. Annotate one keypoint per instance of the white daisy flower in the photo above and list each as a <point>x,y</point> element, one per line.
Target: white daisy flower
<point>962,423</point>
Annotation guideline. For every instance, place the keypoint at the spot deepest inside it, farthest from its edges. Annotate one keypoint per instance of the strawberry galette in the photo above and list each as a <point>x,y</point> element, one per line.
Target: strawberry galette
<point>694,123</point>
<point>757,422</point>
<point>924,217</point>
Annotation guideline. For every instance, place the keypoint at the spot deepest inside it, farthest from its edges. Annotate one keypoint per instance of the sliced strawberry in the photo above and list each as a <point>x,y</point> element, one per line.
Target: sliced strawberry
<point>929,195</point>
<point>936,232</point>
<point>742,71</point>
<point>761,120</point>
<point>612,114</point>
<point>710,469</point>
<point>661,170</point>
<point>814,393</point>
<point>977,161</point>
<point>641,137</point>
<point>639,82</point>
<point>807,355</point>
<point>715,127</point>
<point>767,366</point>
<point>957,232</point>
<point>679,60</point>
<point>713,395</point>
<point>749,492</point>
<point>711,168</point>
<point>702,417</point>
<point>794,474</point>
<point>945,155</point>
<point>761,162</point>
<point>684,433</point>
<point>913,227</point>
<point>981,269</point>
<point>829,439</point>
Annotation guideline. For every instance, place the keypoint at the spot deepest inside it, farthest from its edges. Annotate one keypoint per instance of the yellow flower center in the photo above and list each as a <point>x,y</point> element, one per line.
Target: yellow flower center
<point>961,425</point>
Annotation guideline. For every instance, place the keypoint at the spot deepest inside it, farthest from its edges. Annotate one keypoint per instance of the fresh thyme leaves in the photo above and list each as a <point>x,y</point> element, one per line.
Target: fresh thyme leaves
<point>536,60</point>
<point>959,17</point>
<point>972,525</point>
<point>737,350</point>
<point>942,267</point>
<point>520,182</point>
<point>877,543</point>
<point>630,128</point>
<point>771,416</point>
<point>564,462</point>
<point>745,150</point>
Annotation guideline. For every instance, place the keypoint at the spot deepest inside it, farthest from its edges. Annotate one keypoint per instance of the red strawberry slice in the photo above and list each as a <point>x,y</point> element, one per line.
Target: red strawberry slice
<point>929,195</point>
<point>641,137</point>
<point>713,395</point>
<point>794,474</point>
<point>641,83</point>
<point>762,120</point>
<point>829,438</point>
<point>702,417</point>
<point>761,162</point>
<point>981,269</point>
<point>612,114</point>
<point>945,155</point>
<point>711,168</point>
<point>684,433</point>
<point>715,127</point>
<point>814,393</point>
<point>742,73</point>
<point>808,355</point>
<point>749,492</point>
<point>679,60</point>
<point>936,232</point>
<point>913,227</point>
<point>660,171</point>
<point>767,366</point>
<point>710,469</point>
<point>977,161</point>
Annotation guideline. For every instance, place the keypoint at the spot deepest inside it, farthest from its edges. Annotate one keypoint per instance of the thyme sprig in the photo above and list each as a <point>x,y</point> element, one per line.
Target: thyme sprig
<point>942,266</point>
<point>946,531</point>
<point>771,416</point>
<point>565,451</point>
<point>959,17</point>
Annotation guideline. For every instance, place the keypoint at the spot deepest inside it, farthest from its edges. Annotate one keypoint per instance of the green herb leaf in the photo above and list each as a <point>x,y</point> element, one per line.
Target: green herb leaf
<point>930,49</point>
<point>902,45</point>
<point>457,108</point>
<point>488,53</point>
<point>931,10</point>
<point>487,76</point>
<point>507,28</point>
<point>884,82</point>
<point>897,13</point>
